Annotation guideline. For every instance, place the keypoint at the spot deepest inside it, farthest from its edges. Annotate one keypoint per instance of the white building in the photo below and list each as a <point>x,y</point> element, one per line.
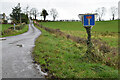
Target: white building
<point>6,18</point>
<point>9,20</point>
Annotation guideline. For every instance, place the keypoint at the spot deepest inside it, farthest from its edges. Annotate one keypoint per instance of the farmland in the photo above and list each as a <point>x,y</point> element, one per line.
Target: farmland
<point>101,26</point>
<point>106,31</point>
<point>63,58</point>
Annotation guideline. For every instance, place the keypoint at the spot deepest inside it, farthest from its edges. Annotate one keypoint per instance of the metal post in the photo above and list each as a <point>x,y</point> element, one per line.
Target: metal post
<point>14,26</point>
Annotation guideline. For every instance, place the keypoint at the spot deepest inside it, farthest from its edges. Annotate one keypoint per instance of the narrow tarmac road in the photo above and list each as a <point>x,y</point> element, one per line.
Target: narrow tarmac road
<point>16,55</point>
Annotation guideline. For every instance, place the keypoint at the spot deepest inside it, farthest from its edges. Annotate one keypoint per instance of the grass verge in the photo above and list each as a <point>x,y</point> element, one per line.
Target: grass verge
<point>63,58</point>
<point>10,32</point>
<point>5,26</point>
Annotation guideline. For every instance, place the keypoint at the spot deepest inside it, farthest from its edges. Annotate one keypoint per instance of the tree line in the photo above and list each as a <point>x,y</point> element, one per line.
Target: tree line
<point>34,12</point>
<point>19,17</point>
<point>101,12</point>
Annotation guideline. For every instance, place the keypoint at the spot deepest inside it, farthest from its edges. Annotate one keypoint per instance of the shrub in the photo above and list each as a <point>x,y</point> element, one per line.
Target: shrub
<point>5,22</point>
<point>6,32</point>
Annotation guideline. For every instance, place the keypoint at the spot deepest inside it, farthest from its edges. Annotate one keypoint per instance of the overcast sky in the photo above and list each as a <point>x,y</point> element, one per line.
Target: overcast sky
<point>67,9</point>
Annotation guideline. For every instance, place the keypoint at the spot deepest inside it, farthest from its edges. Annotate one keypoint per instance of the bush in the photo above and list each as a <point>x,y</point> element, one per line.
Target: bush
<point>5,32</point>
<point>18,27</point>
<point>5,22</point>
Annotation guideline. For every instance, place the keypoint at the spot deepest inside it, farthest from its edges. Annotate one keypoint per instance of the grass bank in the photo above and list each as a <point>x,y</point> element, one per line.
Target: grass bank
<point>7,30</point>
<point>63,58</point>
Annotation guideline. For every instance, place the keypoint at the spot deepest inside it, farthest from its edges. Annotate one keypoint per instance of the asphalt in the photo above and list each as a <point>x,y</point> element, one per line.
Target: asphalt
<point>17,61</point>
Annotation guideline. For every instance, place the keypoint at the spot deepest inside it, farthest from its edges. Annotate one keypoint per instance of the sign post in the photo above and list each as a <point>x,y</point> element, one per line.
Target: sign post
<point>14,26</point>
<point>88,21</point>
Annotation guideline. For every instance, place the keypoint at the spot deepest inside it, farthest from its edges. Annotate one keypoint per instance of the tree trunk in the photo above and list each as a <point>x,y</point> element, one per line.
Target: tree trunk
<point>113,17</point>
<point>35,17</point>
<point>44,18</point>
<point>53,18</point>
<point>99,19</point>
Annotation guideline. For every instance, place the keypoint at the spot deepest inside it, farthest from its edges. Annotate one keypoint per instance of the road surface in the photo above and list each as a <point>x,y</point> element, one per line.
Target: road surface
<point>17,61</point>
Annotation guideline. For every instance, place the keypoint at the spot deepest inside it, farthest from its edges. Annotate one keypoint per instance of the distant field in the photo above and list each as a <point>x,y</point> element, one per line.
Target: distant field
<point>105,30</point>
<point>103,26</point>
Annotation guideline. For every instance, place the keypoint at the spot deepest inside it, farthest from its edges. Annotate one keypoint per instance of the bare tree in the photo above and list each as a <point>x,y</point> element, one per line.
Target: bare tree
<point>101,12</point>
<point>34,12</point>
<point>54,13</point>
<point>97,16</point>
<point>114,12</point>
<point>26,10</point>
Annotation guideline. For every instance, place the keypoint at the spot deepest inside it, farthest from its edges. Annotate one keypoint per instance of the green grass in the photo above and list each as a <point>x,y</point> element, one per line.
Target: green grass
<point>5,26</point>
<point>106,26</point>
<point>101,26</point>
<point>70,26</point>
<point>105,30</point>
<point>64,58</point>
<point>12,32</point>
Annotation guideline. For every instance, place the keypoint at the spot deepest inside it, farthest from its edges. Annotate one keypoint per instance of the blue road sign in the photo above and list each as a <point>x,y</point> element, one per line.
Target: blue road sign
<point>89,20</point>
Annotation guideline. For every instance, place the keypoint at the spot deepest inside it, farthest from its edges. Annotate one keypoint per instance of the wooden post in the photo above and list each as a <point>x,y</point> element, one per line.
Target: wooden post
<point>89,43</point>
